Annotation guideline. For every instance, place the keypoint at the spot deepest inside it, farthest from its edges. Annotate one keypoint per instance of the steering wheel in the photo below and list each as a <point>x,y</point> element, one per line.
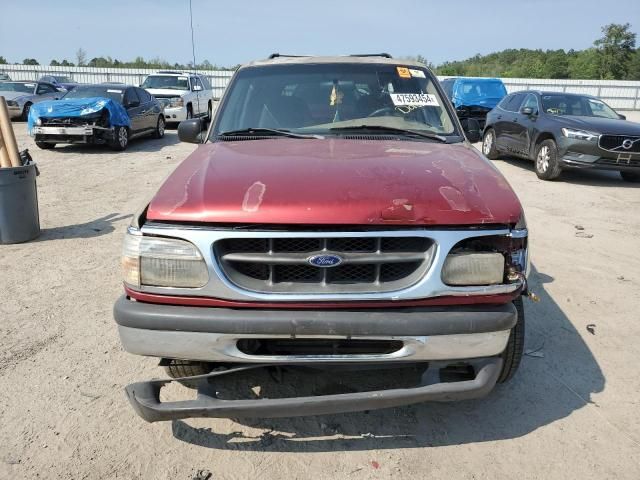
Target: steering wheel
<point>382,112</point>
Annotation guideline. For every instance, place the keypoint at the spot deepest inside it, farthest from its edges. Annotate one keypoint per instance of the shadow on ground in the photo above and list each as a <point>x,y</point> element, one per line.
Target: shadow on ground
<point>597,178</point>
<point>547,388</point>
<point>95,228</point>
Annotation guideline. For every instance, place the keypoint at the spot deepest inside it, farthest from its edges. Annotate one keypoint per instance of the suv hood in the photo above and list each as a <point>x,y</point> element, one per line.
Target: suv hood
<point>336,182</point>
<point>166,92</point>
<point>610,126</point>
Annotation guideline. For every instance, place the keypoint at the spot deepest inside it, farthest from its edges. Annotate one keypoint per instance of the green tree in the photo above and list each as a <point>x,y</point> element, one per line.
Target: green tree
<point>584,64</point>
<point>66,63</point>
<point>30,61</point>
<point>3,61</point>
<point>633,68</point>
<point>54,63</point>
<point>615,49</point>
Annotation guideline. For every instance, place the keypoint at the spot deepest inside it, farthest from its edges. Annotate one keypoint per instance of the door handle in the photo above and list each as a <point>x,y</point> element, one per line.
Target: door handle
<point>499,117</point>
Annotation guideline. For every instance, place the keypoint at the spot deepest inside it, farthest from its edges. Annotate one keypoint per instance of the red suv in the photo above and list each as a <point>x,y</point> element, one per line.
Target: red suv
<point>334,215</point>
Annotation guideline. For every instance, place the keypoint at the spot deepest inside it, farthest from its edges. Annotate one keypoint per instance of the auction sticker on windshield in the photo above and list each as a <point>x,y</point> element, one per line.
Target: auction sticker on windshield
<point>414,99</point>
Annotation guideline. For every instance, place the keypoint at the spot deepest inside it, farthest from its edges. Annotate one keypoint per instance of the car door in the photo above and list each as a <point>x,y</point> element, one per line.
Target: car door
<point>507,122</point>
<point>524,125</point>
<point>131,103</point>
<point>147,104</point>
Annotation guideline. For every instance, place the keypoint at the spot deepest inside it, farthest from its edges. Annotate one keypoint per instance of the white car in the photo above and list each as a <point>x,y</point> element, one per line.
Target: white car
<point>184,95</point>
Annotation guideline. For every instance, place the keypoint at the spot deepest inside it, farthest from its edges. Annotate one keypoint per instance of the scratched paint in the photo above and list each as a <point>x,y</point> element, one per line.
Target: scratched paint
<point>253,197</point>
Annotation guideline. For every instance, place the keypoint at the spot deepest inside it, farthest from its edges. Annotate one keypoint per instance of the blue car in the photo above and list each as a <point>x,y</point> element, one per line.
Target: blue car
<point>474,97</point>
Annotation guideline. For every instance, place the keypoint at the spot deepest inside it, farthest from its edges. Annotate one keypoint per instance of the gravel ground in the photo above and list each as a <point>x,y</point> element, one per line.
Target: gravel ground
<point>573,410</point>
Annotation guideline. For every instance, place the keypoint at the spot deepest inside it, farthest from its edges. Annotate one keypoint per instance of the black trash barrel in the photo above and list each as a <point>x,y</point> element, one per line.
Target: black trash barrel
<point>19,217</point>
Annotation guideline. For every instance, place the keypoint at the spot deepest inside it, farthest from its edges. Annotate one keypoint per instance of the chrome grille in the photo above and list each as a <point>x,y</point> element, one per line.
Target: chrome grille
<point>280,265</point>
<point>614,143</point>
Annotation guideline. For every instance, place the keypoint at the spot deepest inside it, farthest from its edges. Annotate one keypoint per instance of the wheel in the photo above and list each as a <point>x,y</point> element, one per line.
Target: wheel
<point>515,345</point>
<point>45,145</point>
<point>121,139</point>
<point>632,177</point>
<point>25,112</point>
<point>160,126</point>
<point>489,144</point>
<point>187,368</point>
<point>547,165</point>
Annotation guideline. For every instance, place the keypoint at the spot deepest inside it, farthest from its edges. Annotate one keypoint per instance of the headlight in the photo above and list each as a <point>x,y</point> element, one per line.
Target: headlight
<point>162,262</point>
<point>469,268</point>
<point>580,134</point>
<point>39,121</point>
<point>176,102</point>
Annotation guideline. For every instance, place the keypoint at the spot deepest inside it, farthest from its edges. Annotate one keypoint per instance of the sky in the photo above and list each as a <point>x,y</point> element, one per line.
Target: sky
<point>232,32</point>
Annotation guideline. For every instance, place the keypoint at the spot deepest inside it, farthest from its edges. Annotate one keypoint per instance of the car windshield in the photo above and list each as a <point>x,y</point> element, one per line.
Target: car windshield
<point>482,90</point>
<point>62,79</point>
<point>114,93</point>
<point>166,82</point>
<point>326,98</point>
<point>576,105</point>
<point>18,87</point>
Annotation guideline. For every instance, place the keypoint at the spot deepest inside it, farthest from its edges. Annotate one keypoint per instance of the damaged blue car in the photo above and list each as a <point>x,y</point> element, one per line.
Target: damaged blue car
<point>474,97</point>
<point>105,114</point>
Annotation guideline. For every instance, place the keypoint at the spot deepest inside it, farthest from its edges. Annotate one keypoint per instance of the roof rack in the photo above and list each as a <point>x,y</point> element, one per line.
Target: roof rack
<point>276,55</point>
<point>385,55</point>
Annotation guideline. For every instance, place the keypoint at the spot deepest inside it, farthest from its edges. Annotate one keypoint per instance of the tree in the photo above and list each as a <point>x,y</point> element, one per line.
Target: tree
<point>615,49</point>
<point>81,57</point>
<point>30,61</point>
<point>3,61</point>
<point>584,64</point>
<point>54,63</point>
<point>633,68</point>
<point>66,63</point>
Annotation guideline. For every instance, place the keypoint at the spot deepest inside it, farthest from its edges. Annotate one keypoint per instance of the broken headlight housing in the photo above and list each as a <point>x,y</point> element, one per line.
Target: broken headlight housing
<point>162,262</point>
<point>489,260</point>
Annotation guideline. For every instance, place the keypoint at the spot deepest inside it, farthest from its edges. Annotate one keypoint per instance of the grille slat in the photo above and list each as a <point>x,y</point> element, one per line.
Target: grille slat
<point>280,265</point>
<point>614,143</point>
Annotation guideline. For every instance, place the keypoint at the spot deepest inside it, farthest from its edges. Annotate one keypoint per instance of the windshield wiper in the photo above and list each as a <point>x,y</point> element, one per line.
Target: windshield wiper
<point>265,132</point>
<point>406,131</point>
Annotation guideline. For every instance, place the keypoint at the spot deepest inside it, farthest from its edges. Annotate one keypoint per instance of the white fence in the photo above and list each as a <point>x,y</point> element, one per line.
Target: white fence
<point>132,76</point>
<point>620,94</point>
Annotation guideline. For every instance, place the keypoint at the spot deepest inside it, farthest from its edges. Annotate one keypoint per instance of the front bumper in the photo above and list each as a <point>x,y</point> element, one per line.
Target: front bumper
<point>212,334</point>
<point>75,134</point>
<point>581,154</point>
<point>145,398</point>
<point>175,114</point>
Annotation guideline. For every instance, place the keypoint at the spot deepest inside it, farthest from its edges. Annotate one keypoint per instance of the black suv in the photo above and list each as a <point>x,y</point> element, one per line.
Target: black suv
<point>563,130</point>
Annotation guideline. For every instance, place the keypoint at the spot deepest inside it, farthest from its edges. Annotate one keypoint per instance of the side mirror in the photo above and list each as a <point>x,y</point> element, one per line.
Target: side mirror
<point>472,130</point>
<point>527,111</point>
<point>622,117</point>
<point>189,131</point>
<point>197,88</point>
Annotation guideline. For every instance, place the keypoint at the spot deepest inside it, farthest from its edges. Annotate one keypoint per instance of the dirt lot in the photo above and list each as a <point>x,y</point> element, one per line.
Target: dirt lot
<point>573,411</point>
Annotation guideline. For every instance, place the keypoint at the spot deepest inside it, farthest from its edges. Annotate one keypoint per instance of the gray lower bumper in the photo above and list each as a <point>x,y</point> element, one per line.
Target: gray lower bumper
<point>145,398</point>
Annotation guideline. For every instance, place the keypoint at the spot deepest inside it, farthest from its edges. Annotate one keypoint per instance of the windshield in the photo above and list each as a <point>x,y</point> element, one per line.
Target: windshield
<point>166,82</point>
<point>18,87</point>
<point>324,98</point>
<point>576,105</point>
<point>481,90</point>
<point>62,79</point>
<point>96,91</point>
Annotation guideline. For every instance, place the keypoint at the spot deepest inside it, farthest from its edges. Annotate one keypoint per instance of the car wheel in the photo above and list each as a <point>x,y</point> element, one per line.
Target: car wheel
<point>186,368</point>
<point>489,144</point>
<point>45,145</point>
<point>515,345</point>
<point>632,177</point>
<point>547,165</point>
<point>160,127</point>
<point>121,139</point>
<point>25,112</point>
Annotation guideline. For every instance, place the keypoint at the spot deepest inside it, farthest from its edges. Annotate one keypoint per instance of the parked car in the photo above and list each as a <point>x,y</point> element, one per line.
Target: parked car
<point>20,96</point>
<point>474,97</point>
<point>4,77</point>
<point>561,131</point>
<point>97,114</point>
<point>184,95</point>
<point>60,81</point>
<point>334,215</point>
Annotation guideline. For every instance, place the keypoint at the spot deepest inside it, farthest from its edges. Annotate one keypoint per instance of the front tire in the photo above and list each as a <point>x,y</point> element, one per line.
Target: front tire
<point>632,177</point>
<point>121,139</point>
<point>45,145</point>
<point>547,164</point>
<point>160,128</point>
<point>489,144</point>
<point>187,368</point>
<point>515,346</point>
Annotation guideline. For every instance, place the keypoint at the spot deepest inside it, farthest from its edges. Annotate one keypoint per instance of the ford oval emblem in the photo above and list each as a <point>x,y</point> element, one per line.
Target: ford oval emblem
<point>325,260</point>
